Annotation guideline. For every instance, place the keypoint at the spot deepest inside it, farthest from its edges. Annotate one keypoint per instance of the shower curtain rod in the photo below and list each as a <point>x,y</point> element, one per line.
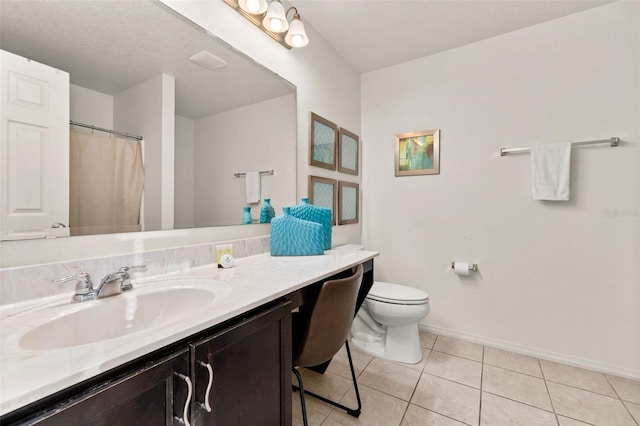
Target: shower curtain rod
<point>113,132</point>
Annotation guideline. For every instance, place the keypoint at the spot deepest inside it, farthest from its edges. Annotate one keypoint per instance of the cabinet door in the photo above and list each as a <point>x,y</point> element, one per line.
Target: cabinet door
<point>250,364</point>
<point>153,395</point>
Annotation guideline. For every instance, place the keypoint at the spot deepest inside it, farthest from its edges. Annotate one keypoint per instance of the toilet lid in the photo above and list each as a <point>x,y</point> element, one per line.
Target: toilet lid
<point>398,294</point>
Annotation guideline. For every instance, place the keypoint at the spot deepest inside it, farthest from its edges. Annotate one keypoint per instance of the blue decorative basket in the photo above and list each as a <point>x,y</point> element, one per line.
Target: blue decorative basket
<point>295,237</point>
<point>321,215</point>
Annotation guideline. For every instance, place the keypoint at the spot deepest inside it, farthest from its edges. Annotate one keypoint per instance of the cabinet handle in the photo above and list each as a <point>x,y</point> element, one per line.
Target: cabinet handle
<point>185,415</point>
<point>206,404</point>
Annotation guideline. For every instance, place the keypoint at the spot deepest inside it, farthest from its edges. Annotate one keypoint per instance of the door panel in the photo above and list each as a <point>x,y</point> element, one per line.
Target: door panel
<point>34,151</point>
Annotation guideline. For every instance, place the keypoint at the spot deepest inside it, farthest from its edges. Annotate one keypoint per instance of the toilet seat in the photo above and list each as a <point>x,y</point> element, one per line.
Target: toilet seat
<point>397,294</point>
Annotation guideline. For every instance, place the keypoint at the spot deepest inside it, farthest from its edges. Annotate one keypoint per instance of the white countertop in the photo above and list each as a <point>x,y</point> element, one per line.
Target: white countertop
<point>29,375</point>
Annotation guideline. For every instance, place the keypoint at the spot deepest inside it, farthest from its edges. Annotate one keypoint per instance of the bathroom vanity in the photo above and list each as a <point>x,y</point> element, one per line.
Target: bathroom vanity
<point>228,363</point>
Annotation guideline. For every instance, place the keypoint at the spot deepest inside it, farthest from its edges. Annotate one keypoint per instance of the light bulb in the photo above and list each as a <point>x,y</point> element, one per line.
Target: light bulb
<point>275,20</point>
<point>253,6</point>
<point>297,36</point>
<point>275,25</point>
<point>297,40</point>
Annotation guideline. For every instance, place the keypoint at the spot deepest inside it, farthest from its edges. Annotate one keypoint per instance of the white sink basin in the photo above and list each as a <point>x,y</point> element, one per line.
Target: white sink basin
<point>150,306</point>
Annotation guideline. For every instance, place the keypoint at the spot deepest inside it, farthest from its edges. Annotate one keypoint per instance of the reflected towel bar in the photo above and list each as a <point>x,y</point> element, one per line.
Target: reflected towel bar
<point>262,173</point>
<point>611,141</point>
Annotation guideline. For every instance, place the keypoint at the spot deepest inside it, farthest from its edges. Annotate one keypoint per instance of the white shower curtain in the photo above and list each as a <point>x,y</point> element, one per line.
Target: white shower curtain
<point>106,183</point>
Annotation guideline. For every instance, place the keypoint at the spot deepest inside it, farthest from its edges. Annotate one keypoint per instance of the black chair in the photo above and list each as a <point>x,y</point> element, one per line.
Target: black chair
<point>320,331</point>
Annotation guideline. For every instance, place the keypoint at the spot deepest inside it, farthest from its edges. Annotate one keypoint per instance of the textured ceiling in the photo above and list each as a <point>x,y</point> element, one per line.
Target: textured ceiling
<point>372,34</point>
<point>110,46</point>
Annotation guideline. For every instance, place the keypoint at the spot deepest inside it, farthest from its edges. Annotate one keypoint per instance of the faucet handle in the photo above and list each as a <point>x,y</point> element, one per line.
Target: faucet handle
<point>126,278</point>
<point>84,287</point>
<point>129,268</point>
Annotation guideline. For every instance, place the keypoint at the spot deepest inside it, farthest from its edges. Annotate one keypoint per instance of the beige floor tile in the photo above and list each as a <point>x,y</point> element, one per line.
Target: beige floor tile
<point>454,368</point>
<point>330,422</point>
<point>498,411</point>
<point>448,398</point>
<point>517,386</point>
<point>634,409</point>
<point>329,385</point>
<point>512,361</point>
<point>427,339</point>
<point>340,363</point>
<point>588,406</point>
<point>420,366</point>
<point>314,417</point>
<point>418,416</point>
<point>378,409</point>
<point>458,347</point>
<point>566,421</point>
<point>389,377</point>
<point>576,377</point>
<point>627,389</point>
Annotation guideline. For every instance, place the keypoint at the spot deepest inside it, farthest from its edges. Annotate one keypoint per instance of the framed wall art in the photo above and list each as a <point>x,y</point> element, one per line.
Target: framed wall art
<point>348,152</point>
<point>322,193</point>
<point>418,153</point>
<point>348,203</point>
<point>323,137</point>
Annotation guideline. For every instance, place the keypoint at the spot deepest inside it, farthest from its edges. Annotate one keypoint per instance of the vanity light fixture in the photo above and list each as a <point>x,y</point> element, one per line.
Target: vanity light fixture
<point>272,19</point>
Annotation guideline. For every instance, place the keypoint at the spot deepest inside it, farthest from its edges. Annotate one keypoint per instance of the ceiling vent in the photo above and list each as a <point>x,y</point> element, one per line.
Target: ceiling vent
<point>207,60</point>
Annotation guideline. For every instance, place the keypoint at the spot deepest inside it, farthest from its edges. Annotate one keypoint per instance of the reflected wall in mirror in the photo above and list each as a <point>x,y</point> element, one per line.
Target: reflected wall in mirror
<point>129,70</point>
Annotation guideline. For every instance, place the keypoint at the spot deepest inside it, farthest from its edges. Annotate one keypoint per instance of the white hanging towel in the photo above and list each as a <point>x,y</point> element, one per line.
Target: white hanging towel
<point>550,171</point>
<point>253,187</point>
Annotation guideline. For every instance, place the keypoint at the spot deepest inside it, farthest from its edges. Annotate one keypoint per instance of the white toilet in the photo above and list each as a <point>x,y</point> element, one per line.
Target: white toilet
<point>386,325</point>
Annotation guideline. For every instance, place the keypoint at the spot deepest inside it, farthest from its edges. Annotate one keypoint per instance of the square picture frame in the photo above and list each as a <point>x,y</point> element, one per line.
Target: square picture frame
<point>322,193</point>
<point>323,139</point>
<point>348,152</point>
<point>348,203</point>
<point>418,153</point>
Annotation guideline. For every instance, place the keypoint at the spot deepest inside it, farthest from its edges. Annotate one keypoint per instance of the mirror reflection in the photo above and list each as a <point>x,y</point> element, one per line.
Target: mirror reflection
<point>206,115</point>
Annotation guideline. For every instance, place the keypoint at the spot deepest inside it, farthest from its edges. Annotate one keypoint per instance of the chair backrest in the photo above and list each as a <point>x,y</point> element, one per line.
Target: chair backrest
<point>329,321</point>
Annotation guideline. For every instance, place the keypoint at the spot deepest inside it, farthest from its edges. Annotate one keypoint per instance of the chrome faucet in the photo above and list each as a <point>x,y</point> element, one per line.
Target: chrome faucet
<point>84,287</point>
<point>117,282</point>
<point>110,285</point>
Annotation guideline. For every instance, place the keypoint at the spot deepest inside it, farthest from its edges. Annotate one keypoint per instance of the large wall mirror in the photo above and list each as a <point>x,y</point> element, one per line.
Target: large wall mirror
<point>203,127</point>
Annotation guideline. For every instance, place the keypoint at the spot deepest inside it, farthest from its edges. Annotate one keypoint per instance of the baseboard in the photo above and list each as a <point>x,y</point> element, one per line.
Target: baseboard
<point>538,353</point>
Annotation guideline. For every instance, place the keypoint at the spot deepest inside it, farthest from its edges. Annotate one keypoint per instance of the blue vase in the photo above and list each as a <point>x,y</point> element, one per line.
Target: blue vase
<point>267,212</point>
<point>295,237</point>
<point>321,215</point>
<point>246,216</point>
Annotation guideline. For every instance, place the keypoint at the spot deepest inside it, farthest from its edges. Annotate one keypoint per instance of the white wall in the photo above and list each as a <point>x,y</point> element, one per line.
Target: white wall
<point>143,110</point>
<point>184,172</point>
<point>90,107</point>
<point>557,279</point>
<point>223,148</point>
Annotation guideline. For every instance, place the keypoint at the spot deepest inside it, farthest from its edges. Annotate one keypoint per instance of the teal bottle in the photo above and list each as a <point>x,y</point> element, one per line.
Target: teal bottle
<point>321,215</point>
<point>267,212</point>
<point>295,237</point>
<point>246,216</point>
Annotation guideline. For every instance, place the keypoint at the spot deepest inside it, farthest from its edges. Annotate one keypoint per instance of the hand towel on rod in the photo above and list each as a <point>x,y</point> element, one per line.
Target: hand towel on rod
<point>253,187</point>
<point>550,171</point>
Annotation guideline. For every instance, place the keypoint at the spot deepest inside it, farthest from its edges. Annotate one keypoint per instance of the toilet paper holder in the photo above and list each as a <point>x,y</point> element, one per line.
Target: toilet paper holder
<point>472,266</point>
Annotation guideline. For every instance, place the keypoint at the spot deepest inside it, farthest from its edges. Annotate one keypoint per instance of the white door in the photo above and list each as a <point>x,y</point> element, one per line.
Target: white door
<point>34,154</point>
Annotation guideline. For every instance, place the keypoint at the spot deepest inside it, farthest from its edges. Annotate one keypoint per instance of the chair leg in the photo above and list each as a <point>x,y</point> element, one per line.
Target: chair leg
<point>301,389</point>
<point>350,411</point>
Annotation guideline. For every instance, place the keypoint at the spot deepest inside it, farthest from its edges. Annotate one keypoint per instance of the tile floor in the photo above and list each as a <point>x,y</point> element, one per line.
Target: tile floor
<point>460,383</point>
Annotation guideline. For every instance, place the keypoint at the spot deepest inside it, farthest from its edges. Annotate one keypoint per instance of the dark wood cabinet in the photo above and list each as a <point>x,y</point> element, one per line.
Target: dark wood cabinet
<point>155,394</point>
<point>250,382</point>
<point>245,371</point>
